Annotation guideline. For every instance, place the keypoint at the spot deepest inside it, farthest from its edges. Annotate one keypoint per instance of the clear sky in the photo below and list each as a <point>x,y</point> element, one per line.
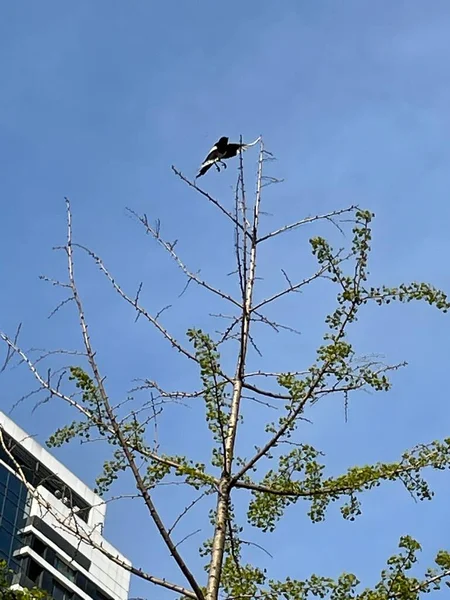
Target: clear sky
<point>98,99</point>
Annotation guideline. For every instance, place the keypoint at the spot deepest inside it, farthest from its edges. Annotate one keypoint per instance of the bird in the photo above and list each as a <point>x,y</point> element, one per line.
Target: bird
<point>222,150</point>
<point>214,156</point>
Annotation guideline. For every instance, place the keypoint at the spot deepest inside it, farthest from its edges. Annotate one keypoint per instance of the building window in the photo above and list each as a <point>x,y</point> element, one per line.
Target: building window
<point>4,476</point>
<point>59,592</point>
<point>5,542</point>
<point>64,569</point>
<point>13,494</point>
<point>38,546</point>
<point>9,510</point>
<point>34,571</point>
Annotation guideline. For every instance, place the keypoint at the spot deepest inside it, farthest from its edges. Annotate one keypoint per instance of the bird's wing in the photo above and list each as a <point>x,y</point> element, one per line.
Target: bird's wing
<point>213,156</point>
<point>206,165</point>
<point>232,150</point>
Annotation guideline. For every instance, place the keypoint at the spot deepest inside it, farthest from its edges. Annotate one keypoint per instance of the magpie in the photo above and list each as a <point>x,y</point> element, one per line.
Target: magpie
<point>214,156</point>
<point>220,151</point>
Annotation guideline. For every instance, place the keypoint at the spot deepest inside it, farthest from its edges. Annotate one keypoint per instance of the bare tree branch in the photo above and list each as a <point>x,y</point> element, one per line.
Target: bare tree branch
<point>134,302</point>
<point>329,216</point>
<point>291,288</point>
<point>169,248</point>
<point>185,511</point>
<point>269,374</point>
<point>207,196</point>
<point>115,426</point>
<point>10,349</point>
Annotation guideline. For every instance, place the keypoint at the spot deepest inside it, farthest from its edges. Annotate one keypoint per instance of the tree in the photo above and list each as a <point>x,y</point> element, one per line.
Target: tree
<point>280,470</point>
<point>6,593</point>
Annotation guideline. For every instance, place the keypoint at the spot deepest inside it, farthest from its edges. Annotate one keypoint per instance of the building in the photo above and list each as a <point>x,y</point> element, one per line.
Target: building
<point>33,539</point>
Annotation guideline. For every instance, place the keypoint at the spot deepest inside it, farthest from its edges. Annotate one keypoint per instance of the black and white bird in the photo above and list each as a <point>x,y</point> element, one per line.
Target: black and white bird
<point>222,150</point>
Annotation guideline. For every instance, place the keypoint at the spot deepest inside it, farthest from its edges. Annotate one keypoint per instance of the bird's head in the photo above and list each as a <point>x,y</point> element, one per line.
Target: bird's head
<point>223,141</point>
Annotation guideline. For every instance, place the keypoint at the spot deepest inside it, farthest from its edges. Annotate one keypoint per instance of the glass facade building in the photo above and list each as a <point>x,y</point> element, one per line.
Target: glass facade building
<point>40,552</point>
<point>14,510</point>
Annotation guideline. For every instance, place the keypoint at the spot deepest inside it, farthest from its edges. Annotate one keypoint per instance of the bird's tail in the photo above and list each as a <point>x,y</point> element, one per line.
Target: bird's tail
<point>245,146</point>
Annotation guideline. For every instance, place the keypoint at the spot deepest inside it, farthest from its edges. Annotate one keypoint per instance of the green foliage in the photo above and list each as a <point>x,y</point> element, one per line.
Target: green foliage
<point>267,508</point>
<point>67,433</point>
<point>217,400</point>
<point>95,414</point>
<point>241,580</point>
<point>298,474</point>
<point>111,470</point>
<point>336,368</point>
<point>192,473</point>
<point>396,581</point>
<point>133,432</point>
<point>7,594</point>
<point>91,395</point>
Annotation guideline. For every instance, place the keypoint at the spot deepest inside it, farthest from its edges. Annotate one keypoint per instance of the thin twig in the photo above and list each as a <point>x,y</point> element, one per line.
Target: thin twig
<point>115,426</point>
<point>187,509</point>
<point>10,349</point>
<point>189,274</point>
<point>133,302</point>
<point>208,196</point>
<point>293,288</point>
<point>329,216</point>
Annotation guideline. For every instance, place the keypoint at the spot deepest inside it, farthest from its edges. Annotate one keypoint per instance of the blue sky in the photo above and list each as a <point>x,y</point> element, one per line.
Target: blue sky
<point>99,99</point>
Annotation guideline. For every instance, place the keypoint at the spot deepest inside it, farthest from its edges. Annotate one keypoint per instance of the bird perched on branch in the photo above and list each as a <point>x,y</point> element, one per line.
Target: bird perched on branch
<point>222,150</point>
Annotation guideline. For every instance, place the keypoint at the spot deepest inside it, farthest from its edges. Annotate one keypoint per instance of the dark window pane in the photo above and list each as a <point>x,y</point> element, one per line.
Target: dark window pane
<point>50,556</point>
<point>7,526</point>
<point>14,484</point>
<point>9,510</point>
<point>57,592</point>
<point>46,581</point>
<point>3,475</point>
<point>90,589</point>
<point>61,593</point>
<point>34,571</point>
<point>81,581</point>
<point>5,541</point>
<point>11,497</point>
<point>38,546</point>
<point>17,543</point>
<point>64,569</point>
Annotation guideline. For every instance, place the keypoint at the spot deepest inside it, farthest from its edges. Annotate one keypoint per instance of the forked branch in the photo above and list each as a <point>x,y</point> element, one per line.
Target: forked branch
<point>140,484</point>
<point>189,274</point>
